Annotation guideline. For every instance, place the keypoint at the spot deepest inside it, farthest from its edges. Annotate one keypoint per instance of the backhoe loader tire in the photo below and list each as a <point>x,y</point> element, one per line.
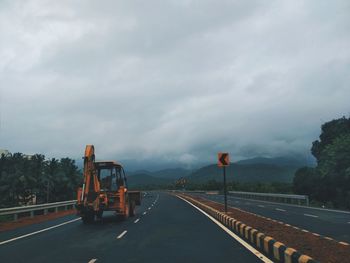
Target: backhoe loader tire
<point>99,214</point>
<point>127,212</point>
<point>132,211</point>
<point>88,218</point>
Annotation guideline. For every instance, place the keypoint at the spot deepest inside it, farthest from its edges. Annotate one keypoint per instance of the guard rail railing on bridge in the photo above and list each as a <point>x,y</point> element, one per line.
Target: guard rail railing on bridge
<point>15,211</point>
<point>281,198</point>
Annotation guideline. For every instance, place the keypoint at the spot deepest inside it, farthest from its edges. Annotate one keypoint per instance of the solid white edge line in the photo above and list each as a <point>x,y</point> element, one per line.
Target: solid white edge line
<point>237,238</point>
<point>310,215</point>
<point>93,260</point>
<point>137,220</point>
<point>39,231</point>
<point>122,234</point>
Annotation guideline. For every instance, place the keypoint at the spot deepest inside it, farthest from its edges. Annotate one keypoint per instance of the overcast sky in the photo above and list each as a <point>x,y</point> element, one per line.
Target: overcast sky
<point>171,80</point>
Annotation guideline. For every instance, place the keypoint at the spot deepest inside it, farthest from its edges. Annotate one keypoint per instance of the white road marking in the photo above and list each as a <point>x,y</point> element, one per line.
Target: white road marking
<point>149,208</point>
<point>348,222</point>
<point>92,260</point>
<point>310,215</point>
<point>137,220</point>
<point>261,206</point>
<point>241,241</point>
<point>144,213</point>
<point>122,234</point>
<point>279,209</point>
<point>39,231</point>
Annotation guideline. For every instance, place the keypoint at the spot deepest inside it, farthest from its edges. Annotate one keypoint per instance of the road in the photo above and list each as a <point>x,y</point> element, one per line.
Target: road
<point>165,229</point>
<point>329,223</point>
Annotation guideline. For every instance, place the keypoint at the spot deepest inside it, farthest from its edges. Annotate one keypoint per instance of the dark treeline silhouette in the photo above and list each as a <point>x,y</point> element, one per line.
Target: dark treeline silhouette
<point>329,182</point>
<point>26,178</point>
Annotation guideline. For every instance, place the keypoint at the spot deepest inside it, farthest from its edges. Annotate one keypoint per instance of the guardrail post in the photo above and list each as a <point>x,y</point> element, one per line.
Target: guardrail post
<point>15,217</point>
<point>31,214</point>
<point>307,201</point>
<point>45,211</point>
<point>56,209</point>
<point>65,207</point>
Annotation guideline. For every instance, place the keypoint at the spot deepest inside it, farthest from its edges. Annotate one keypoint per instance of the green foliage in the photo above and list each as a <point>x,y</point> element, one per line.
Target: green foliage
<point>22,178</point>
<point>329,182</point>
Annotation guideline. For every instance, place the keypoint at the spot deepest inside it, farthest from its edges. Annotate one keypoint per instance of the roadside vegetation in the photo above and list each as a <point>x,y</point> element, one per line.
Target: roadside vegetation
<point>329,182</point>
<point>27,179</point>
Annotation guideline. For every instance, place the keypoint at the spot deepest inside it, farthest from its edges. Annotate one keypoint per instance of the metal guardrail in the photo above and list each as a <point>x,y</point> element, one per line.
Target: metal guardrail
<point>15,211</point>
<point>282,198</point>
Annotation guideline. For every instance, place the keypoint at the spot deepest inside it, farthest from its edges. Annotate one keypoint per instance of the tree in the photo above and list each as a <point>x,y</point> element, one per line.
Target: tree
<point>330,180</point>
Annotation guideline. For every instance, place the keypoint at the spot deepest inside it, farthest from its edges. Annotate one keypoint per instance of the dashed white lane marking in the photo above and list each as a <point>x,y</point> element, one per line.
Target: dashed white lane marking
<point>122,234</point>
<point>137,220</point>
<point>149,208</point>
<point>348,222</point>
<point>93,260</point>
<point>241,241</point>
<point>39,231</point>
<point>279,209</point>
<point>144,213</point>
<point>261,206</point>
<point>310,215</point>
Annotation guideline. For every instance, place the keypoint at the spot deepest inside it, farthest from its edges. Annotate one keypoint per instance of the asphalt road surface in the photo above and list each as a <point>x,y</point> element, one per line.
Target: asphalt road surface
<point>330,223</point>
<point>165,229</point>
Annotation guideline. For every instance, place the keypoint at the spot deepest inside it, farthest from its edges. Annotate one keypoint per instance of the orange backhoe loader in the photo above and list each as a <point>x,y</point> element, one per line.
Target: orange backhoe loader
<point>104,189</point>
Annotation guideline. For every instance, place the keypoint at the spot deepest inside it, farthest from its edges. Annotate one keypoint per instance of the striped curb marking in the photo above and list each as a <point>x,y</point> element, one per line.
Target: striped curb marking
<point>266,244</point>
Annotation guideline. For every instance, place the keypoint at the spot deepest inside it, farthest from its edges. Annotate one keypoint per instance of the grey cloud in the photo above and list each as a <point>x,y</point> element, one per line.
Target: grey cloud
<point>172,80</point>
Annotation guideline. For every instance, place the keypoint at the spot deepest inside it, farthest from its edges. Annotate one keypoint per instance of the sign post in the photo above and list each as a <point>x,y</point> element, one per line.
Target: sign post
<point>223,161</point>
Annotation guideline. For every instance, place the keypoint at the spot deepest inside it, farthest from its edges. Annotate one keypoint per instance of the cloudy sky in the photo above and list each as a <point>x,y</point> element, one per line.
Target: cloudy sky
<point>174,81</point>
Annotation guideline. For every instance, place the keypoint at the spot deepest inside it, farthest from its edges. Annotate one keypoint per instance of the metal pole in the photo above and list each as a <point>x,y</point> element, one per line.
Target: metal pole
<point>225,189</point>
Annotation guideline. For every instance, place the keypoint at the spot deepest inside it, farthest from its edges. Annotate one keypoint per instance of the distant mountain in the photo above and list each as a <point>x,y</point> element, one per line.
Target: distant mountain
<point>140,180</point>
<point>259,172</point>
<point>297,161</point>
<point>131,173</point>
<point>172,173</point>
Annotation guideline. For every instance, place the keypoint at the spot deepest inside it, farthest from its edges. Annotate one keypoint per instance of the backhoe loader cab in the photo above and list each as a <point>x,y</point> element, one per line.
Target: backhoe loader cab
<point>111,176</point>
<point>104,189</point>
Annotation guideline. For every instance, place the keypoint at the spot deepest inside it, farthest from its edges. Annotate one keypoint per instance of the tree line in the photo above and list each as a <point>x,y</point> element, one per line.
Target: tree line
<point>329,182</point>
<point>24,178</point>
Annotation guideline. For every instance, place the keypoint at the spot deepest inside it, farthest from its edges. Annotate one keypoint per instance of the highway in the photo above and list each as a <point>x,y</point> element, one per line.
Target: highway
<point>165,229</point>
<point>328,223</point>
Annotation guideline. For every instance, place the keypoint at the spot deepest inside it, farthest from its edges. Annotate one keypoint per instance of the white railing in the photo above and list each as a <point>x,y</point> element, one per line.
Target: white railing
<point>15,211</point>
<point>282,198</point>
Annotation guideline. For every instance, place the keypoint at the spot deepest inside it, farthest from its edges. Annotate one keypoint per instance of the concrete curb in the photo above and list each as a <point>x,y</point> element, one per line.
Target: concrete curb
<point>273,249</point>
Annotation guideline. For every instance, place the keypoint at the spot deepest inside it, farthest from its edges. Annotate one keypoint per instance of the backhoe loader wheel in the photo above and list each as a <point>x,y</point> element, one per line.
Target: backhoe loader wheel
<point>99,214</point>
<point>88,218</point>
<point>132,207</point>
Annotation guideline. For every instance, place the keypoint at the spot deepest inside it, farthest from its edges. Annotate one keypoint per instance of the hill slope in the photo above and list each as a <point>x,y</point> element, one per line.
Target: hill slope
<point>245,173</point>
<point>142,180</point>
